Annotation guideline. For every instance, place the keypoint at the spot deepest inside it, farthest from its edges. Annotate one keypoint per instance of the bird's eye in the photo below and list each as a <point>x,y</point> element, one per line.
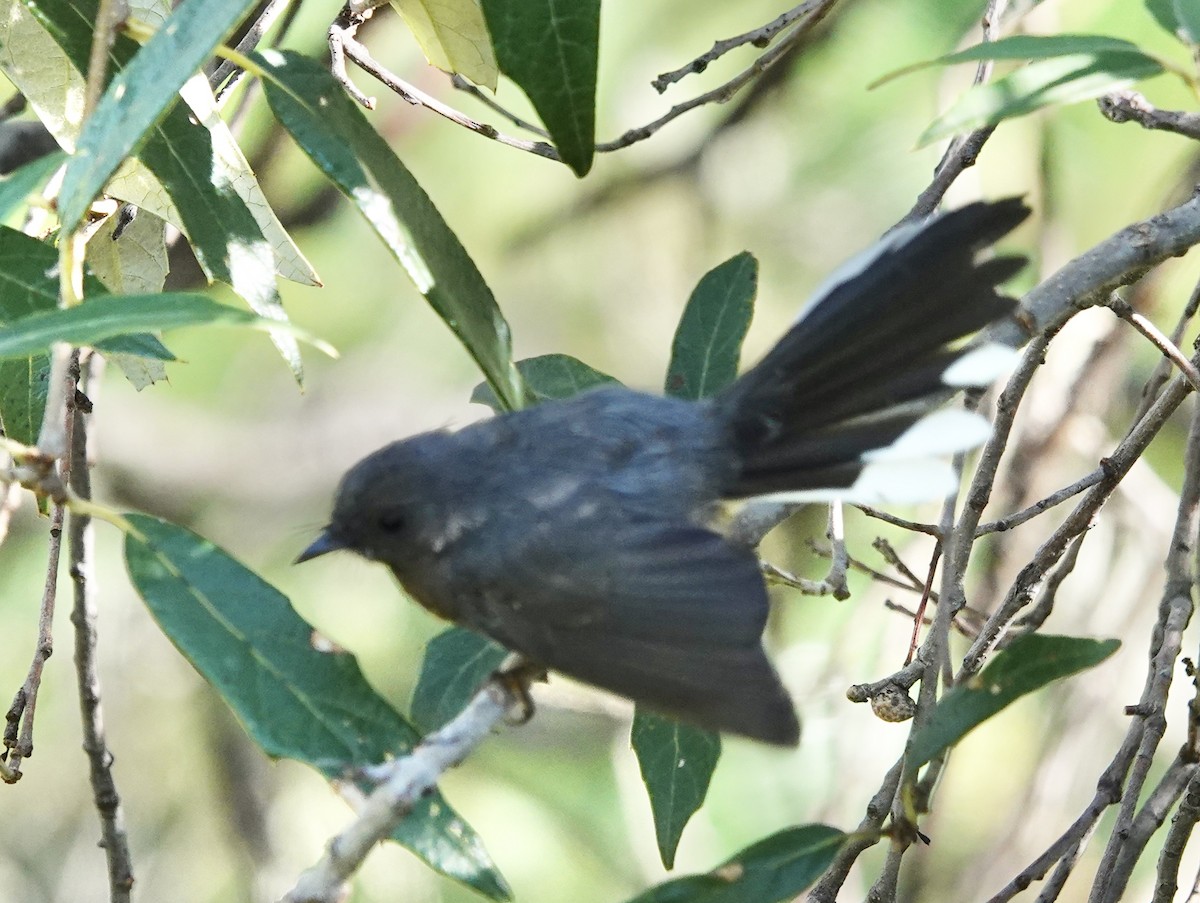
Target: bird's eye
<point>391,521</point>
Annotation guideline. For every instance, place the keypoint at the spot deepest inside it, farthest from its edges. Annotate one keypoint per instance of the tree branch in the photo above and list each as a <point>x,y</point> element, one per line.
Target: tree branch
<point>760,37</point>
<point>1130,106</point>
<point>403,782</point>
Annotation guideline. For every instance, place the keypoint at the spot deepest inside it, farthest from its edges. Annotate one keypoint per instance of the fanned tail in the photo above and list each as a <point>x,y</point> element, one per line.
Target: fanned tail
<point>840,407</point>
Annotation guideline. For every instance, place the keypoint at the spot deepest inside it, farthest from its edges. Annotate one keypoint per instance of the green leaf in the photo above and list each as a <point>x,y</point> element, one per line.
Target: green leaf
<point>1062,80</point>
<point>17,186</point>
<point>133,264</point>
<point>1187,15</point>
<point>1025,47</point>
<point>550,48</point>
<point>297,698</point>
<point>772,870</point>
<point>677,763</point>
<point>192,158</point>
<point>113,315</point>
<point>546,378</point>
<point>28,286</point>
<point>1029,663</point>
<point>678,760</point>
<point>453,35</point>
<point>1163,12</point>
<point>708,341</point>
<point>456,664</point>
<point>24,384</point>
<point>332,130</point>
<point>138,95</point>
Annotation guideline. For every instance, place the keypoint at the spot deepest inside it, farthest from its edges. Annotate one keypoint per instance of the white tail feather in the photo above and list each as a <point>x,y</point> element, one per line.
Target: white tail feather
<point>943,432</point>
<point>980,366</point>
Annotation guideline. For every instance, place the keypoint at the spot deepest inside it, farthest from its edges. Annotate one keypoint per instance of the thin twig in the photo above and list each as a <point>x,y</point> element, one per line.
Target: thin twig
<point>343,46</point>
<point>1087,279</point>
<point>760,37</point>
<point>1162,371</point>
<point>408,779</point>
<point>110,16</point>
<point>18,729</point>
<point>1116,466</point>
<point>725,92</point>
<point>1169,349</point>
<point>1049,593</point>
<point>914,526</point>
<point>250,40</point>
<point>488,101</point>
<point>1151,815</point>
<point>1183,824</point>
<point>1130,106</point>
<point>865,836</point>
<point>963,151</point>
<point>359,55</point>
<point>1042,505</point>
<point>1149,722</point>
<point>83,617</point>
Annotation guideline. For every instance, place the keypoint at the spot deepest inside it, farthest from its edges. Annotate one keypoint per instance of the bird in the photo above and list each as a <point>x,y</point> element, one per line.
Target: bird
<point>582,534</point>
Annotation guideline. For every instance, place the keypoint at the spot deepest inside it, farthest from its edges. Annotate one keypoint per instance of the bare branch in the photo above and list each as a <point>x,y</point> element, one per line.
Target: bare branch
<point>18,729</point>
<point>1120,259</point>
<point>1182,826</point>
<point>760,37</point>
<point>343,45</point>
<point>359,55</point>
<point>963,150</point>
<point>1130,106</point>
<point>725,92</point>
<point>914,526</point>
<point>1042,505</point>
<point>404,782</point>
<point>83,618</point>
<point>1170,350</point>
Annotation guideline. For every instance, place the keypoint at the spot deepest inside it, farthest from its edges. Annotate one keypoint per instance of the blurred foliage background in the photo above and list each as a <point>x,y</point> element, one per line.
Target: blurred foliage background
<point>803,176</point>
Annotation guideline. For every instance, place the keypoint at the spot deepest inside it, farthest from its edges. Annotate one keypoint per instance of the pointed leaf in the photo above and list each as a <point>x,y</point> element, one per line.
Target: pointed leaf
<point>1187,15</point>
<point>550,48</point>
<point>138,95</point>
<point>1163,12</point>
<point>1026,47</point>
<point>298,698</point>
<point>187,174</point>
<point>107,316</point>
<point>1029,663</point>
<point>548,377</point>
<point>708,342</point>
<point>332,130</point>
<point>453,35</point>
<point>772,870</point>
<point>457,663</point>
<point>1061,80</point>
<point>45,59</point>
<point>677,762</point>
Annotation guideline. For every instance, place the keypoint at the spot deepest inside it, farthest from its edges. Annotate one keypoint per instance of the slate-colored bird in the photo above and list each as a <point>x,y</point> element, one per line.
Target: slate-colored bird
<point>579,533</point>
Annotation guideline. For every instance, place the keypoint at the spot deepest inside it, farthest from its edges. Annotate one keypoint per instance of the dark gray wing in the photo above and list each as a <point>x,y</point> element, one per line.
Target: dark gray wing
<point>668,615</point>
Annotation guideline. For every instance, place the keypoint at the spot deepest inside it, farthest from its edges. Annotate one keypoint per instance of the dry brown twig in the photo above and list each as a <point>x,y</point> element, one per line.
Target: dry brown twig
<point>343,46</point>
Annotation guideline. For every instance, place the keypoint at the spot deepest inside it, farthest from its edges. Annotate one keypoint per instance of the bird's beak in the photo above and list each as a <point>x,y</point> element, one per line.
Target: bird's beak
<point>326,542</point>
